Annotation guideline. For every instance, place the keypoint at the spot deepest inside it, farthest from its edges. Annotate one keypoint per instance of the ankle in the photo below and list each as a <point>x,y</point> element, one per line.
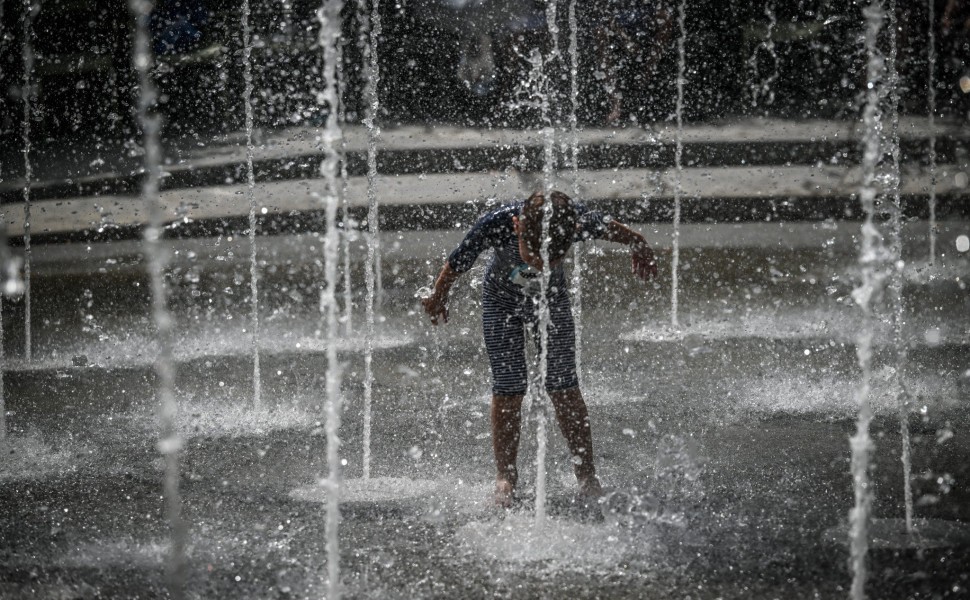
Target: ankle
<point>590,486</point>
<point>504,495</point>
<point>503,484</point>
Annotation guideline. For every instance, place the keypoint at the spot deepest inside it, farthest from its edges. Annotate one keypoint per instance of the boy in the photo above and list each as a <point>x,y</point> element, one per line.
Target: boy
<point>510,299</point>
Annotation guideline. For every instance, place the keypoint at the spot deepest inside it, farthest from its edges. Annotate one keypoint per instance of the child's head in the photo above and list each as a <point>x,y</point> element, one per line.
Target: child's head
<point>561,232</point>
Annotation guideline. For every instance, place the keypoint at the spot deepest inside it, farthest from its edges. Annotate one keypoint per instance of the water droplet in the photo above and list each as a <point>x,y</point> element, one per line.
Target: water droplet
<point>965,84</point>
<point>963,243</point>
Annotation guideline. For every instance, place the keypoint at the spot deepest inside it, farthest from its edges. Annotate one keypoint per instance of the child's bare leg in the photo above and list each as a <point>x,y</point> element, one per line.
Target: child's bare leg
<point>506,425</point>
<point>573,420</point>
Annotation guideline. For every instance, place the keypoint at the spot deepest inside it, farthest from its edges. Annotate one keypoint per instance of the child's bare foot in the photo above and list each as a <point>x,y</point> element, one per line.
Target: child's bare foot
<point>504,496</point>
<point>590,488</point>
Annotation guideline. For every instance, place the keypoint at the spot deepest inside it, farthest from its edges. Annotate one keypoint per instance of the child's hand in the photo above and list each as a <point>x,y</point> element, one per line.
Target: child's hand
<point>644,263</point>
<point>436,307</point>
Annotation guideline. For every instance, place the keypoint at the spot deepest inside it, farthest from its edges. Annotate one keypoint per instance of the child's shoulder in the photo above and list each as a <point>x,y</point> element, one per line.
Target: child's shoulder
<point>501,215</point>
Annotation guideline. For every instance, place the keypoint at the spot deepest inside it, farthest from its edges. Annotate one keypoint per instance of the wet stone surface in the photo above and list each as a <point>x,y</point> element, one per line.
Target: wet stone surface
<point>723,445</point>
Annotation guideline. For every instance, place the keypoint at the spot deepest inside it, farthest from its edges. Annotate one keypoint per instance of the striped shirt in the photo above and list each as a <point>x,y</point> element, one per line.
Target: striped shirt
<point>510,301</point>
<point>506,272</point>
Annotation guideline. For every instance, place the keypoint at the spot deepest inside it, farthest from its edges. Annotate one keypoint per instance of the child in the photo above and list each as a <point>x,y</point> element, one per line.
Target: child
<point>510,299</point>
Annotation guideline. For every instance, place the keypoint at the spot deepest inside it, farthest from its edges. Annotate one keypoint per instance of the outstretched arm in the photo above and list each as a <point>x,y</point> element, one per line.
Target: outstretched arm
<point>436,305</point>
<point>643,262</point>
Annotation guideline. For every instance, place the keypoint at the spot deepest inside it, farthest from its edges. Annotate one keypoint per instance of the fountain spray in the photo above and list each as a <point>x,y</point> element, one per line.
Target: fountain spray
<point>373,138</point>
<point>10,285</point>
<point>3,396</point>
<point>543,91</point>
<point>3,366</point>
<point>763,88</point>
<point>873,259</point>
<point>157,255</point>
<point>931,125</point>
<point>678,156</point>
<point>330,27</point>
<point>345,238</point>
<point>533,93</point>
<point>30,10</point>
<point>576,287</point>
<point>250,193</point>
<point>552,25</point>
<point>370,24</point>
<point>896,281</point>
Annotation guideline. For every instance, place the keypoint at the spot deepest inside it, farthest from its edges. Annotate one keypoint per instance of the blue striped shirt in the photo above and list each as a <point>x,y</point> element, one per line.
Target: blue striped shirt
<point>506,270</point>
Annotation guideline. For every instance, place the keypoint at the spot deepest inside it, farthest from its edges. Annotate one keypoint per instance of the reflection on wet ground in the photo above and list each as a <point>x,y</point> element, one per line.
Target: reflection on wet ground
<point>723,444</point>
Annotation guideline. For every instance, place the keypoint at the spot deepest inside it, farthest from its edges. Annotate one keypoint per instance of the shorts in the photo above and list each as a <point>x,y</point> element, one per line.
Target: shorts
<point>504,318</point>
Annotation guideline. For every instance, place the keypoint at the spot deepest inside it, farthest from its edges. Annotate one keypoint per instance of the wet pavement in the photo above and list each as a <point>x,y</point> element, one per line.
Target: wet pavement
<point>723,444</point>
<point>434,176</point>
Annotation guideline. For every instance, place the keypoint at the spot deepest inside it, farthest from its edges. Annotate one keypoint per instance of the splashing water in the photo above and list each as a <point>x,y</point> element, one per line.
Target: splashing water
<point>830,396</point>
<point>212,417</point>
<point>368,39</point>
<point>931,124</point>
<point>896,280</point>
<point>539,92</point>
<point>559,544</point>
<point>763,88</point>
<point>250,193</point>
<point>376,489</point>
<point>11,285</point>
<point>553,26</point>
<point>534,92</point>
<point>169,442</point>
<point>872,259</point>
<point>576,288</point>
<point>678,166</point>
<point>3,394</point>
<point>347,230</point>
<point>30,10</point>
<point>815,323</point>
<point>28,455</point>
<point>330,25</point>
<point>542,406</point>
<point>634,521</point>
<point>125,344</point>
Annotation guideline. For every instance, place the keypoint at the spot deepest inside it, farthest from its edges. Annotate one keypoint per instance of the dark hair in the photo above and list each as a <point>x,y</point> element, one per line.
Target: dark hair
<point>562,224</point>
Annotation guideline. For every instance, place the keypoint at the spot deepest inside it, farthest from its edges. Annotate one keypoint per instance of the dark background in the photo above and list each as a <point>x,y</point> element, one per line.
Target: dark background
<point>85,84</point>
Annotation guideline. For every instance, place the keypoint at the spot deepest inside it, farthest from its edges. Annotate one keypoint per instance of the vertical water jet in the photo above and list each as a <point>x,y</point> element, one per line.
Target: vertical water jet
<point>896,280</point>
<point>10,285</point>
<point>533,93</point>
<point>157,256</point>
<point>3,366</point>
<point>873,258</point>
<point>763,89</point>
<point>931,125</point>
<point>251,196</point>
<point>330,28</point>
<point>576,287</point>
<point>368,38</point>
<point>345,237</point>
<point>678,167</point>
<point>30,9</point>
<point>544,89</point>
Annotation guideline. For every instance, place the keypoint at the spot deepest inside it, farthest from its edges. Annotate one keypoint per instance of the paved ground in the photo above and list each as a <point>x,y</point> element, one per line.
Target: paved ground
<point>724,442</point>
<point>724,445</point>
<point>812,164</point>
<point>98,159</point>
